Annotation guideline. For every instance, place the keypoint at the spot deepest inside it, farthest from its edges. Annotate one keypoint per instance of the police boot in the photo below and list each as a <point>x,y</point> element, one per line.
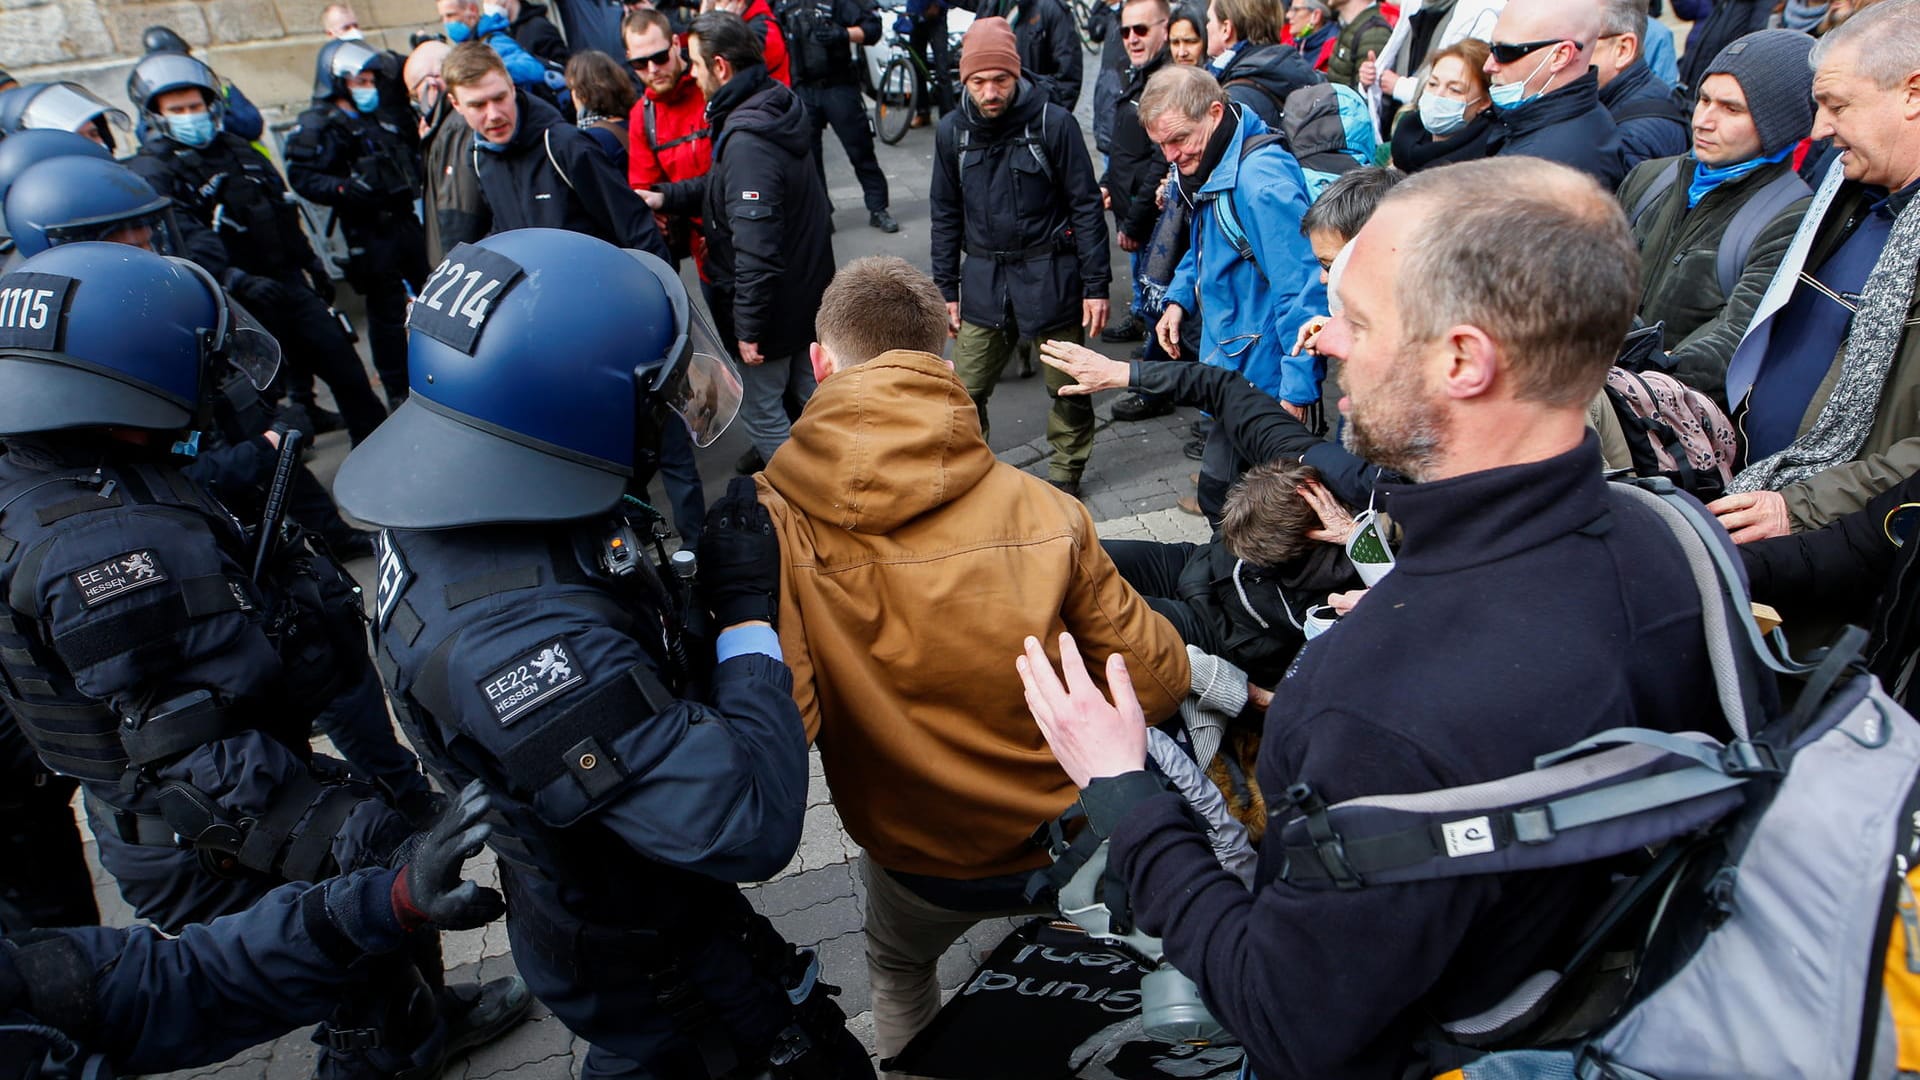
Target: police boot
<point>411,1031</point>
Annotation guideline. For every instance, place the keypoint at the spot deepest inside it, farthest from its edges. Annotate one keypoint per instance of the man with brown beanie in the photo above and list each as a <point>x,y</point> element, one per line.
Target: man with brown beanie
<point>913,562</point>
<point>1713,224</point>
<point>1014,189</point>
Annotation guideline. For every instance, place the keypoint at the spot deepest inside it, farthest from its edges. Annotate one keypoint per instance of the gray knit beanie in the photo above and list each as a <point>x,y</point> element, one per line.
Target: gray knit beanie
<point>1772,70</point>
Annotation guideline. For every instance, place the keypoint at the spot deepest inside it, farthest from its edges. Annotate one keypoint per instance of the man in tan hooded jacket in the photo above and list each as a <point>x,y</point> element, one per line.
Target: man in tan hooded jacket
<point>916,564</point>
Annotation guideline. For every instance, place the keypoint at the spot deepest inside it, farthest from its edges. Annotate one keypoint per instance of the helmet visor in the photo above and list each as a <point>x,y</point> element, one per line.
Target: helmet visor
<point>350,58</point>
<point>253,352</point>
<point>702,385</point>
<point>154,230</point>
<point>67,107</point>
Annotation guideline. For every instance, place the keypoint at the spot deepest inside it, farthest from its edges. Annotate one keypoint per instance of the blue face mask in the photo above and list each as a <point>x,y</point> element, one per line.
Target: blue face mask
<point>365,98</point>
<point>1513,95</point>
<point>193,129</point>
<point>457,32</point>
<point>1442,115</point>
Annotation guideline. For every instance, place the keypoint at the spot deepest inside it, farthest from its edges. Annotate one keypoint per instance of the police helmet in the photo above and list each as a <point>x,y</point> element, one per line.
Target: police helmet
<point>163,39</point>
<point>157,73</point>
<point>110,335</point>
<point>18,153</point>
<point>61,106</point>
<point>67,200</point>
<point>536,359</point>
<point>339,61</point>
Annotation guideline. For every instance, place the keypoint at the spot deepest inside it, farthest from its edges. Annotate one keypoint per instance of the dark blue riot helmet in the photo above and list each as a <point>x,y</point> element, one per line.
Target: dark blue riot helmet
<point>18,153</point>
<point>159,72</point>
<point>66,200</point>
<point>339,61</point>
<point>110,335</point>
<point>535,358</point>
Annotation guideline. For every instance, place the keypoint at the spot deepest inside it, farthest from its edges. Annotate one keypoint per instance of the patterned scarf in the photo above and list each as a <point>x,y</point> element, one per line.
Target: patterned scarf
<point>1873,342</point>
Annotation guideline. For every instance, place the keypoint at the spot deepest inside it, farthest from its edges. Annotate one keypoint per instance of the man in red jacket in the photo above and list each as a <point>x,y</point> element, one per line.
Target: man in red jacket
<point>672,144</point>
<point>759,15</point>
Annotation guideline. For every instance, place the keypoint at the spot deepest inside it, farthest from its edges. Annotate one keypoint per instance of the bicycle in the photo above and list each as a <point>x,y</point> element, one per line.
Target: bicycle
<point>1083,23</point>
<point>896,100</point>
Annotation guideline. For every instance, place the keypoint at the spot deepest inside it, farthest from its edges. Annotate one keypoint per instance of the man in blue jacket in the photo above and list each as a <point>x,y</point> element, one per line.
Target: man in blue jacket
<point>1248,274</point>
<point>1475,385</point>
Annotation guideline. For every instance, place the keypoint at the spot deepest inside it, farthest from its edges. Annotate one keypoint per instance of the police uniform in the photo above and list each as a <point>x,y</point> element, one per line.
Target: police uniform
<point>230,189</point>
<point>821,55</point>
<point>365,168</point>
<point>526,641</point>
<point>138,655</point>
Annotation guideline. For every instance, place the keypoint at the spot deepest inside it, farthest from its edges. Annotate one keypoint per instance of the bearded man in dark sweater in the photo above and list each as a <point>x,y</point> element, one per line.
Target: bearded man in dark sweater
<point>1530,607</point>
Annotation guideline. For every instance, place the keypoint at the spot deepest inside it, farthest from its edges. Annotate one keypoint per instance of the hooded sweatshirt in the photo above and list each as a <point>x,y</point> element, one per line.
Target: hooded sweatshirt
<point>916,563</point>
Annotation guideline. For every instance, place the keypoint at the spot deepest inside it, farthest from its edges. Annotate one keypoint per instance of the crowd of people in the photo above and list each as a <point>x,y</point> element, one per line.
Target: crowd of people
<point>1432,273</point>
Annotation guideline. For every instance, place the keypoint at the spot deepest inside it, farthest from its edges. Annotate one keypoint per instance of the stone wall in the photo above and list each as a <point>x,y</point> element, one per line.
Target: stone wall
<point>266,47</point>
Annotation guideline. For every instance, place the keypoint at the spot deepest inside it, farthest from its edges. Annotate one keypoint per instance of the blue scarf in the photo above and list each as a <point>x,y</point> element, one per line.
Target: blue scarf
<point>1705,179</point>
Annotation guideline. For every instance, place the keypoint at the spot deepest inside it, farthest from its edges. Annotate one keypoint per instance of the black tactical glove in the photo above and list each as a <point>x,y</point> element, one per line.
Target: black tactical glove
<point>322,282</point>
<point>739,558</point>
<point>429,888</point>
<point>258,291</point>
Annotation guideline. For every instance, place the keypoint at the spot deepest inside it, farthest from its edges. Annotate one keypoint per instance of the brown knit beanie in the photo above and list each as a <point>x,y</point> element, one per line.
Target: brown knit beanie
<point>988,46</point>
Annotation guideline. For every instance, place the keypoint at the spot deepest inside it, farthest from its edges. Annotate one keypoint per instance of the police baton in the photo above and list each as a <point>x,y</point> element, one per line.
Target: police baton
<point>276,501</point>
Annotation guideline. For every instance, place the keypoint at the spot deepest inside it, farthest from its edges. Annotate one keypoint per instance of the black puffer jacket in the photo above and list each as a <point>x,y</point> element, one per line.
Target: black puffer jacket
<point>769,251</point>
<point>550,175</point>
<point>1648,114</point>
<point>537,34</point>
<point>1017,195</point>
<point>1135,166</point>
<point>1569,126</point>
<point>1253,618</point>
<point>1261,76</point>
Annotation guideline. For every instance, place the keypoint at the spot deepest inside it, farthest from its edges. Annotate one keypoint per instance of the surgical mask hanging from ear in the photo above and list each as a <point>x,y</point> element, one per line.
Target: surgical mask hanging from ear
<point>192,129</point>
<point>365,98</point>
<point>1514,95</point>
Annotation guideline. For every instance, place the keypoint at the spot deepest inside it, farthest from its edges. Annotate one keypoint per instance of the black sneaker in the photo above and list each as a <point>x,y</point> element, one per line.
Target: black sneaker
<point>750,462</point>
<point>1129,329</point>
<point>1196,449</point>
<point>1140,407</point>
<point>883,221</point>
<point>1071,487</point>
<point>323,420</point>
<point>478,1013</point>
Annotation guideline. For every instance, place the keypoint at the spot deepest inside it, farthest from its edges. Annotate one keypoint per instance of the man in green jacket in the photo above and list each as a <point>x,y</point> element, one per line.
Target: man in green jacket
<point>1713,224</point>
<point>1826,383</point>
<point>1364,31</point>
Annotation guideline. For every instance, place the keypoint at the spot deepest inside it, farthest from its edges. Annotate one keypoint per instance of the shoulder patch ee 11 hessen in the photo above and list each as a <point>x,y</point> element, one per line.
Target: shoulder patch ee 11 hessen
<point>118,576</point>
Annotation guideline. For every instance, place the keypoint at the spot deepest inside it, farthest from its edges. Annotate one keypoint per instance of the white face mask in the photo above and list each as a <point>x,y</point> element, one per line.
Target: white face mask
<point>1442,115</point>
<point>351,35</point>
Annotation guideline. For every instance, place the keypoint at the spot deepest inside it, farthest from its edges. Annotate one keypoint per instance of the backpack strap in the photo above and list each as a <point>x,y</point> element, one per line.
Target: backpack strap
<point>1662,183</point>
<point>546,137</point>
<point>1756,214</point>
<point>1226,213</point>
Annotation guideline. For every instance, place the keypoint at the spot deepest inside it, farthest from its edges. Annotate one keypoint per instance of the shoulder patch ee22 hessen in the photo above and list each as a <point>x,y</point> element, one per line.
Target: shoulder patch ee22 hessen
<point>118,576</point>
<point>532,680</point>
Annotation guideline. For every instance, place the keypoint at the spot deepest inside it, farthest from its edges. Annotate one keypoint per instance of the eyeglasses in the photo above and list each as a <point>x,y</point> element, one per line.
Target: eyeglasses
<point>651,60</point>
<point>1140,29</point>
<point>1512,52</point>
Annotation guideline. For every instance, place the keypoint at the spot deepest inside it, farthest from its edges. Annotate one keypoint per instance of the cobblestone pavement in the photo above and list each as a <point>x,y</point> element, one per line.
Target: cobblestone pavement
<point>1136,473</point>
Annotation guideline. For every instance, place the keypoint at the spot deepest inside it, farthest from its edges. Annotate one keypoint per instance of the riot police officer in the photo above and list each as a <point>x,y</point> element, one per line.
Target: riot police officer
<point>343,154</point>
<point>821,35</point>
<point>73,199</point>
<point>140,658</point>
<point>84,1004</point>
<point>527,640</point>
<point>220,181</point>
<point>61,106</point>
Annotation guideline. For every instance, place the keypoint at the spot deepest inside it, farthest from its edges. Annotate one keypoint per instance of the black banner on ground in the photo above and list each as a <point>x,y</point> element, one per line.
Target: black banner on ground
<point>1049,1004</point>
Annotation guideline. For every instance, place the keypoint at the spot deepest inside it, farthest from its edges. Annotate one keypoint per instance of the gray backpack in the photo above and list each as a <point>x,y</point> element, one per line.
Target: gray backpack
<point>1763,921</point>
<point>1730,260</point>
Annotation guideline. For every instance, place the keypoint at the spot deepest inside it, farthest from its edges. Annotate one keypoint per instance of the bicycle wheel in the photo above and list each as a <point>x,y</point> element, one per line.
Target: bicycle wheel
<point>1082,14</point>
<point>894,102</point>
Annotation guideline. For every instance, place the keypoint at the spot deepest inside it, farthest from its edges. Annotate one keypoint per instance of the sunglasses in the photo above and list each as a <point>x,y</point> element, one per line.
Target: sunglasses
<point>1512,52</point>
<point>651,60</point>
<point>1139,29</point>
